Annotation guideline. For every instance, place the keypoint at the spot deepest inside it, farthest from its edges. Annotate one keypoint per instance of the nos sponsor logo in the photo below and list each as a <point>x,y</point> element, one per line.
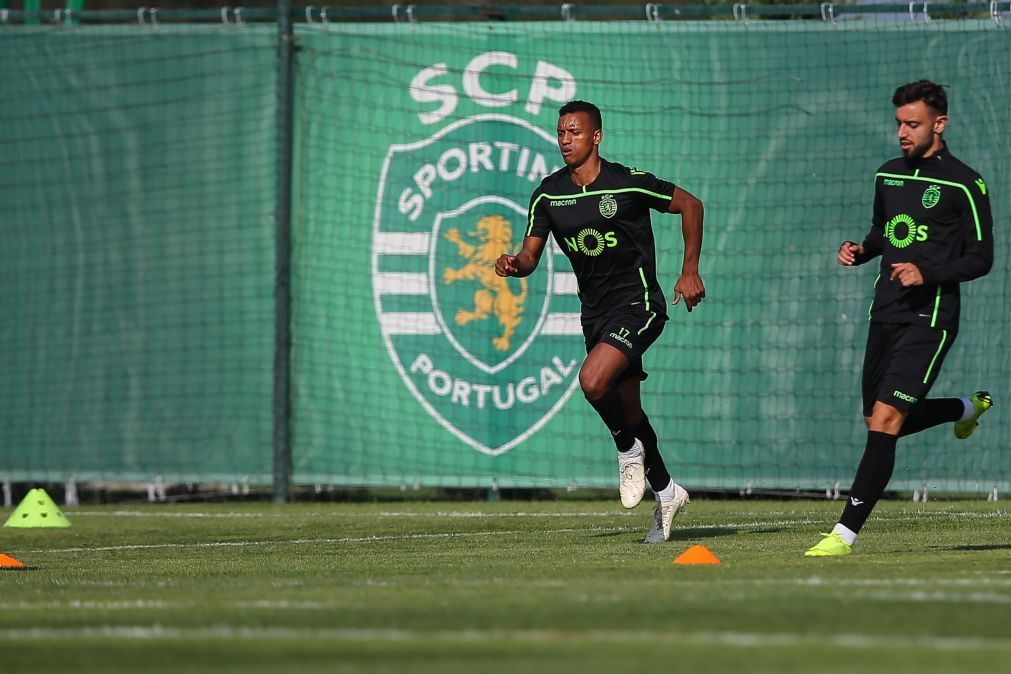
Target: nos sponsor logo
<point>490,359</point>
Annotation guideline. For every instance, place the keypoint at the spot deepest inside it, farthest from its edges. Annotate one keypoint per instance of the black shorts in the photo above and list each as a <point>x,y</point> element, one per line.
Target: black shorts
<point>630,329</point>
<point>901,363</point>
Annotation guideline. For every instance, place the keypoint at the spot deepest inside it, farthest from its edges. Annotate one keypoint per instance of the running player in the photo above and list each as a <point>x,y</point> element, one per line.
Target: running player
<point>932,230</point>
<point>598,213</point>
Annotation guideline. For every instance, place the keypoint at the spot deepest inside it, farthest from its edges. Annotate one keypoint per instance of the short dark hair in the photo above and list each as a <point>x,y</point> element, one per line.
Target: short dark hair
<point>933,95</point>
<point>582,106</point>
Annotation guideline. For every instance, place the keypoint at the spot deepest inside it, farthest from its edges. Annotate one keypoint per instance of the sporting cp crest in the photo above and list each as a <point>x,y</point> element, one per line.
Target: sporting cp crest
<point>608,206</point>
<point>492,359</point>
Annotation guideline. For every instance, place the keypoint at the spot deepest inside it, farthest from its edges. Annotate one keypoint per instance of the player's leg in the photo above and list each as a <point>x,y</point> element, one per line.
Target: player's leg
<point>877,357</point>
<point>963,412</point>
<point>613,342</point>
<point>670,497</point>
<point>656,470</point>
<point>934,412</point>
<point>900,365</point>
<point>875,469</point>
<point>602,367</point>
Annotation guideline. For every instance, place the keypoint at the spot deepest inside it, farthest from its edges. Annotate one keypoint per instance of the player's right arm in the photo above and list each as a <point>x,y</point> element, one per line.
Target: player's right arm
<point>538,227</point>
<point>523,263</point>
<point>852,254</point>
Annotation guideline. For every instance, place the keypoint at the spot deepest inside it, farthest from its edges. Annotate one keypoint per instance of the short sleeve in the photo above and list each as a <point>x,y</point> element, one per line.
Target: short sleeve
<point>538,223</point>
<point>654,192</point>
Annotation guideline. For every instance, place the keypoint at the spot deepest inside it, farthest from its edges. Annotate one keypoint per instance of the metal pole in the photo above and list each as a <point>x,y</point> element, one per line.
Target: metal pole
<point>282,266</point>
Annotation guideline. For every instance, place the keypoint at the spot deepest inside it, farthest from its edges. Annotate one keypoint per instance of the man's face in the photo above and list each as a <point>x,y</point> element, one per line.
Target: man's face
<point>919,129</point>
<point>576,138</point>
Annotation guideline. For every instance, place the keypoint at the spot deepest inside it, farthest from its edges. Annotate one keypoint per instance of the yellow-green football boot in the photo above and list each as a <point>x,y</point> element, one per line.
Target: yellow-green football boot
<point>831,545</point>
<point>981,402</point>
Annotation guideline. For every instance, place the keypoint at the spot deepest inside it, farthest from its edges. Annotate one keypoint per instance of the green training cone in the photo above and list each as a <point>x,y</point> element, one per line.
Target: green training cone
<point>37,510</point>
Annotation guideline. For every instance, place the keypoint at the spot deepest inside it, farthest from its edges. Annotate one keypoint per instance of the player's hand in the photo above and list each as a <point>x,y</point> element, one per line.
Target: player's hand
<point>505,265</point>
<point>848,252</point>
<point>907,273</point>
<point>689,287</point>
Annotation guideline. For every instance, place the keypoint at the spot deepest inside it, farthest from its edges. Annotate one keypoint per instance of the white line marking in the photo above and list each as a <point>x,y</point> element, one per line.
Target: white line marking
<point>818,582</point>
<point>732,639</point>
<point>936,597</point>
<point>931,597</point>
<point>91,605</point>
<point>298,541</point>
<point>141,513</point>
<point>441,514</point>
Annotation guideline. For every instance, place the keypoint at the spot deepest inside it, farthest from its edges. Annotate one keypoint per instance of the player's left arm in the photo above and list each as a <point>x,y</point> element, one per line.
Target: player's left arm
<point>689,286</point>
<point>977,224</point>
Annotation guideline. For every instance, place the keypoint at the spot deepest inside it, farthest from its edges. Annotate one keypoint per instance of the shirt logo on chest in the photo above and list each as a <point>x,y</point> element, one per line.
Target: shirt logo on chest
<point>590,242</point>
<point>931,196</point>
<point>902,230</point>
<point>608,206</point>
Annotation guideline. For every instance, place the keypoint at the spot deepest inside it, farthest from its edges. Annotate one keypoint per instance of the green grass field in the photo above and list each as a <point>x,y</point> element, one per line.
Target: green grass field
<point>506,587</point>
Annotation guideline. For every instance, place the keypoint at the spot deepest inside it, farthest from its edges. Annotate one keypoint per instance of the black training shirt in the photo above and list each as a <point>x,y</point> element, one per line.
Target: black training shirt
<point>933,212</point>
<point>604,229</point>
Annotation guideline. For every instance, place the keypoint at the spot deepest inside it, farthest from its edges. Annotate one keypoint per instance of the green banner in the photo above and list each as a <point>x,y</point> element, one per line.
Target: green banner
<point>136,204</point>
<point>137,183</point>
<point>418,148</point>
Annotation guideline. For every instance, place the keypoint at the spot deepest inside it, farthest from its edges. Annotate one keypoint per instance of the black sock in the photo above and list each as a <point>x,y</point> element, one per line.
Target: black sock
<point>872,477</point>
<point>612,412</point>
<point>932,412</point>
<point>656,470</point>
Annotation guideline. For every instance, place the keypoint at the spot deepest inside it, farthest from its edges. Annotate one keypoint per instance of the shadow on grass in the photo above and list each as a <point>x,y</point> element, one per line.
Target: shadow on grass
<point>678,534</point>
<point>977,548</point>
<point>609,534</point>
<point>709,532</point>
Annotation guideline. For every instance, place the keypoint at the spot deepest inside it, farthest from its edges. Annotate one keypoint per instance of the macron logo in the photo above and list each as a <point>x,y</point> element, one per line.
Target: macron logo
<point>904,396</point>
<point>856,501</point>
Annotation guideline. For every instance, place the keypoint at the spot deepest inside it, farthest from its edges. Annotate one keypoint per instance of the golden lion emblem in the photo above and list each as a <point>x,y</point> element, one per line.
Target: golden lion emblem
<point>494,236</point>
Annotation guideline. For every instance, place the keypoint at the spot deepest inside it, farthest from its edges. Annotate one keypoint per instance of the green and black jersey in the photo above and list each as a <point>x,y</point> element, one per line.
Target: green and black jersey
<point>935,213</point>
<point>604,229</point>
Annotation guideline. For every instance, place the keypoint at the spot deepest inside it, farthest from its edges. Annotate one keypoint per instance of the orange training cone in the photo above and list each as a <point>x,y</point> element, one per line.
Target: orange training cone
<point>7,562</point>
<point>696,554</point>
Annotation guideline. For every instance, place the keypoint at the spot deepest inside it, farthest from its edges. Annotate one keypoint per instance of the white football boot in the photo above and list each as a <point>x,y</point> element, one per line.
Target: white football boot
<point>664,513</point>
<point>632,475</point>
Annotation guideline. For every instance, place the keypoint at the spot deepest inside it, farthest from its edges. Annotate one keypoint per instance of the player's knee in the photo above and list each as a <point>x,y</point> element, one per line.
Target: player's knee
<point>885,419</point>
<point>594,387</point>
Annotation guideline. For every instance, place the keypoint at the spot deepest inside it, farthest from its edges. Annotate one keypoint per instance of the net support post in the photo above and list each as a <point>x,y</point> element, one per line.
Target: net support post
<point>282,259</point>
<point>70,497</point>
<point>156,490</point>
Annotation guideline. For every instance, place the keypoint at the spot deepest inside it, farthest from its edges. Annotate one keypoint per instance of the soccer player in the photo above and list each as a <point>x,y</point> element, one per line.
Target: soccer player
<point>932,229</point>
<point>598,213</point>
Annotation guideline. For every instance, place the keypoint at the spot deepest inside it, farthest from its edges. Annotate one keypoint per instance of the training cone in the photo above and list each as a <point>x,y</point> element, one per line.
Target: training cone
<point>696,554</point>
<point>7,562</point>
<point>37,510</point>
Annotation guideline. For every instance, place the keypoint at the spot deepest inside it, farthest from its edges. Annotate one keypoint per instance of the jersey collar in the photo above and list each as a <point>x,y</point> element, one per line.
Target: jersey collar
<point>938,156</point>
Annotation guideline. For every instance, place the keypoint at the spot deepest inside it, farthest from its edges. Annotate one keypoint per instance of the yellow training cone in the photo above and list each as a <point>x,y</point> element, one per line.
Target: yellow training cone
<point>37,510</point>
